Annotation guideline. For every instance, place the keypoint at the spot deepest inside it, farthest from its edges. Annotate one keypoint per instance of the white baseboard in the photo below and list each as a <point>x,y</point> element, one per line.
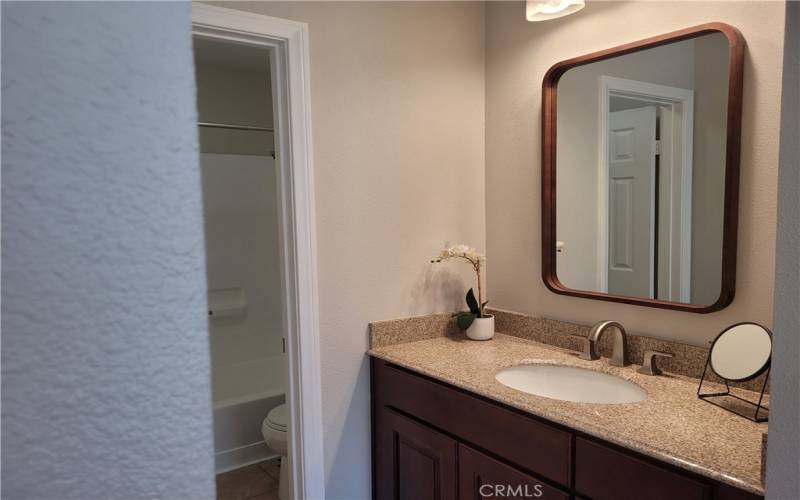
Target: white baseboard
<point>235,458</point>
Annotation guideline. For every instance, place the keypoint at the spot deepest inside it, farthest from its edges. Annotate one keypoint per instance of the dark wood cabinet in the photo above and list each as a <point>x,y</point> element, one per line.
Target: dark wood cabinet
<point>521,439</point>
<point>481,477</point>
<point>602,473</point>
<point>434,441</point>
<point>414,461</point>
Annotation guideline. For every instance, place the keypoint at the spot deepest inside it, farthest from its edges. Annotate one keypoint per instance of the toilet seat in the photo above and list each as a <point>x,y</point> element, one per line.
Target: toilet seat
<point>277,418</point>
<point>274,429</point>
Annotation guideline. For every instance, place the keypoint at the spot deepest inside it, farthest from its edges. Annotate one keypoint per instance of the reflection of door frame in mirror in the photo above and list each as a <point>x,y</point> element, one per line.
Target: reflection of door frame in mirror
<point>677,141</point>
<point>733,129</point>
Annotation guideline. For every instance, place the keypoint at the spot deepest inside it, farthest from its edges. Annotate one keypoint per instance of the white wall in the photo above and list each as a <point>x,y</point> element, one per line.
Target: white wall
<point>518,53</point>
<point>105,344</point>
<point>783,461</point>
<point>243,259</point>
<point>397,93</point>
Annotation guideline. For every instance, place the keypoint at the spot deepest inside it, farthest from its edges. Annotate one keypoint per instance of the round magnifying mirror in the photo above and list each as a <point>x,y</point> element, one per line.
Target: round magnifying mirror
<point>741,352</point>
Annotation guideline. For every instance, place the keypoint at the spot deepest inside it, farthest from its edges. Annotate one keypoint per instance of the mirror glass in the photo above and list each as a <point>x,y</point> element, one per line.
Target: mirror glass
<point>640,172</point>
<point>741,352</point>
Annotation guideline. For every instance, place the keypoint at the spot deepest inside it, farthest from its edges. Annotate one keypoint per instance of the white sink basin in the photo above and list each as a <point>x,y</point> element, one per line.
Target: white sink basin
<point>568,383</point>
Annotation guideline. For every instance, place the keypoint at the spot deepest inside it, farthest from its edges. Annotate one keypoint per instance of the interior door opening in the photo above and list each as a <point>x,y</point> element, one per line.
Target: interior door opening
<point>243,265</point>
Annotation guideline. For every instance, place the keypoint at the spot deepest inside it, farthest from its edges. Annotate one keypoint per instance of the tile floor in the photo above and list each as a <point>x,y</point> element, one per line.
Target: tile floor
<point>253,482</point>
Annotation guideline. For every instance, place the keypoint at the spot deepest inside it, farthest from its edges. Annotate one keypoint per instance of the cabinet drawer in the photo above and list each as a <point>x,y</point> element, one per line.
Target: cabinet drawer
<point>534,445</point>
<point>602,473</point>
<point>481,476</point>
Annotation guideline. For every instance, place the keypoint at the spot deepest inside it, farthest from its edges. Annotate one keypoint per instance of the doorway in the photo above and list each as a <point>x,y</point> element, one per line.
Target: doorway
<point>248,379</point>
<point>283,49</point>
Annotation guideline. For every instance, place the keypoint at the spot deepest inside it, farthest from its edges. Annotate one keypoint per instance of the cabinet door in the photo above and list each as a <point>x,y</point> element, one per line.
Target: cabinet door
<point>482,477</point>
<point>602,473</point>
<point>414,462</point>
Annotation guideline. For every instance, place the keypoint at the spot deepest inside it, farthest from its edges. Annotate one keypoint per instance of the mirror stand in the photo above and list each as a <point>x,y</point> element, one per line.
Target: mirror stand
<point>716,398</point>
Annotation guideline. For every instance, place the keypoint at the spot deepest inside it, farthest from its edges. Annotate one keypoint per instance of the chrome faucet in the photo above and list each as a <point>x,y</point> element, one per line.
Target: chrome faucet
<point>619,354</point>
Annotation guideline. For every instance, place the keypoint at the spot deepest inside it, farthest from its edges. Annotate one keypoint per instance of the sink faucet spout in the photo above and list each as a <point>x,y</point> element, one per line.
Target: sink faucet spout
<point>619,352</point>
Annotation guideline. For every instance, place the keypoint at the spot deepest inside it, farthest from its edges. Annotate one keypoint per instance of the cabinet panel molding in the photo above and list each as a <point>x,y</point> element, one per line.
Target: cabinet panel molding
<point>481,476</point>
<point>414,462</point>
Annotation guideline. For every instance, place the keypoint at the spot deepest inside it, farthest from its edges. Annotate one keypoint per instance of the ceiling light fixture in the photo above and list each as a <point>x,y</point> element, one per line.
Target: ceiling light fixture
<point>543,10</point>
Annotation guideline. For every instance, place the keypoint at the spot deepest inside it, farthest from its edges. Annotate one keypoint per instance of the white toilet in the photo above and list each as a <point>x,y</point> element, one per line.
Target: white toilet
<point>274,430</point>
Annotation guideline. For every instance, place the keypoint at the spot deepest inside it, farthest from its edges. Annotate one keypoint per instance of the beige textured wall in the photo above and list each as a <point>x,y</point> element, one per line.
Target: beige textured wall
<point>518,54</point>
<point>397,98</point>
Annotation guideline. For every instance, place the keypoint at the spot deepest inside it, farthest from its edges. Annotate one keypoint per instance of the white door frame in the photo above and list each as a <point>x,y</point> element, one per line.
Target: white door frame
<point>681,102</point>
<point>288,42</point>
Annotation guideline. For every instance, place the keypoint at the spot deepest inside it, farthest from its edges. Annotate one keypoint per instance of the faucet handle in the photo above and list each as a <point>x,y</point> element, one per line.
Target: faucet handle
<point>649,366</point>
<point>589,351</point>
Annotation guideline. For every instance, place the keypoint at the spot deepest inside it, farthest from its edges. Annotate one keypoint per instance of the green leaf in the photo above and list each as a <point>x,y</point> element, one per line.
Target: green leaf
<point>472,303</point>
<point>464,319</point>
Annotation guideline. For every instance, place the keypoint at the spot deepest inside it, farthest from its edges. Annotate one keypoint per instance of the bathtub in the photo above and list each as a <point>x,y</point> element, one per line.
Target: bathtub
<point>243,394</point>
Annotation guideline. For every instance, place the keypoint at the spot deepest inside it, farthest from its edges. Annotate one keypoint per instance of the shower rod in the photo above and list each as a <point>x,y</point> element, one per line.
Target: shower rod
<point>238,127</point>
<point>235,127</point>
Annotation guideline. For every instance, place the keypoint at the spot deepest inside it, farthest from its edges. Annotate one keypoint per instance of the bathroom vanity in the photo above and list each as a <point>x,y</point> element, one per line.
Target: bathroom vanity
<point>444,427</point>
<point>644,213</point>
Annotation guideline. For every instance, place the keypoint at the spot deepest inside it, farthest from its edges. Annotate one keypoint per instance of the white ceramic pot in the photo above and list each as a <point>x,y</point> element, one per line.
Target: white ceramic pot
<point>481,328</point>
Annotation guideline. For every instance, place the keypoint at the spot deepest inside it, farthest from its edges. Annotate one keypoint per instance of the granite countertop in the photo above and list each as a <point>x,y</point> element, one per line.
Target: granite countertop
<point>672,424</point>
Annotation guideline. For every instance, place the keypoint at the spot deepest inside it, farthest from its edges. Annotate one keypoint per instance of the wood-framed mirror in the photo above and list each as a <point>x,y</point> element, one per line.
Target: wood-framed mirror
<point>640,171</point>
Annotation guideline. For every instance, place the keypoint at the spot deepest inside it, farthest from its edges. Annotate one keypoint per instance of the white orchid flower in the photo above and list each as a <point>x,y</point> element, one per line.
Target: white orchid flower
<point>470,254</point>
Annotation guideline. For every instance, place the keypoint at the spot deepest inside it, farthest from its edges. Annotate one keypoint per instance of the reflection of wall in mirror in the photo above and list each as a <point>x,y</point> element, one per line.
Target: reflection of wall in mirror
<point>684,65</point>
<point>708,195</point>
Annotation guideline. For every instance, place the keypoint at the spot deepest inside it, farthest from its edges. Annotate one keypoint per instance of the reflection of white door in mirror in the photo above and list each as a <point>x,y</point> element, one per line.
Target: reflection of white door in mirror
<point>631,199</point>
<point>659,226</point>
